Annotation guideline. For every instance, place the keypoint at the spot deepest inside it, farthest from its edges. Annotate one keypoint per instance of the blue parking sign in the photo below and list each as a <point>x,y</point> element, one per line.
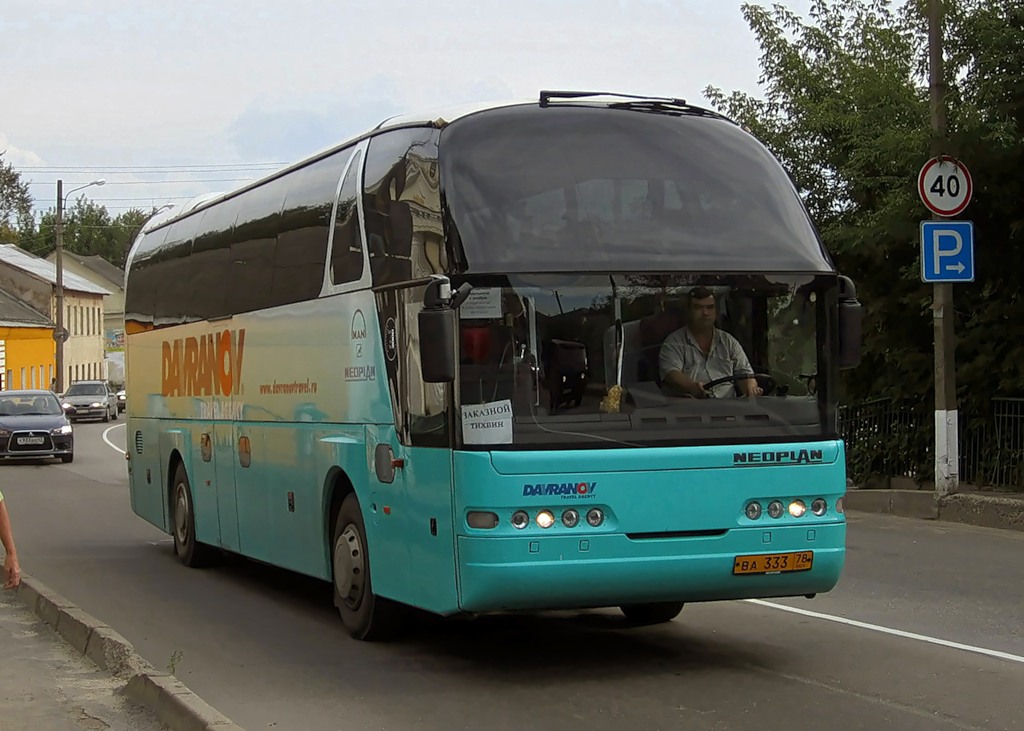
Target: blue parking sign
<point>947,251</point>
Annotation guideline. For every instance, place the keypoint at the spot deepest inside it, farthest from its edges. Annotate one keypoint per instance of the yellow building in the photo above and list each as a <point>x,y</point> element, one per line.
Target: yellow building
<point>32,282</point>
<point>27,348</point>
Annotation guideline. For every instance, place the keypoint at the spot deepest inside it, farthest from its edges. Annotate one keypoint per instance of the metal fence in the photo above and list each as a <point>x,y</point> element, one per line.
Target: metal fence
<point>891,439</point>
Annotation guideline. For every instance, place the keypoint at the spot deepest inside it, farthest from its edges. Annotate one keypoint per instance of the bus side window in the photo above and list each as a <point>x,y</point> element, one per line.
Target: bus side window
<point>300,255</point>
<point>401,204</point>
<point>347,245</point>
<point>252,247</point>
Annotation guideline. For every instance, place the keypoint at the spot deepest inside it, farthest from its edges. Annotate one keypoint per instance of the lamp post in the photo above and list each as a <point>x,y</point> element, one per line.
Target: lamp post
<point>60,334</point>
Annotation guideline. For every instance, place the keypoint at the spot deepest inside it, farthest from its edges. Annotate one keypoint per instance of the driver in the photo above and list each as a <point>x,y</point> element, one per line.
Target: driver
<point>699,353</point>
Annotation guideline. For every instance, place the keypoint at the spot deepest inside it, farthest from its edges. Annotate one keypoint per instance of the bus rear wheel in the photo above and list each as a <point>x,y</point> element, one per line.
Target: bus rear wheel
<point>656,613</point>
<point>190,552</point>
<point>365,615</point>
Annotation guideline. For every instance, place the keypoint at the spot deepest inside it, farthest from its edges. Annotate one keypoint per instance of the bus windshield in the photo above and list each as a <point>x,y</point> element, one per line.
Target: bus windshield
<point>540,355</point>
<point>534,189</point>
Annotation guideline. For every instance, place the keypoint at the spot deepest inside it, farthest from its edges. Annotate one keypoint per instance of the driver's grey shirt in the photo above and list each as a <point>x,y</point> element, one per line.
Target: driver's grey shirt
<point>680,352</point>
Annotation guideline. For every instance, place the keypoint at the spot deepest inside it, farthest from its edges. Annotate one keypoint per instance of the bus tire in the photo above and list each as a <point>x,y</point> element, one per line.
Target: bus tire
<point>657,613</point>
<point>190,552</point>
<point>365,615</point>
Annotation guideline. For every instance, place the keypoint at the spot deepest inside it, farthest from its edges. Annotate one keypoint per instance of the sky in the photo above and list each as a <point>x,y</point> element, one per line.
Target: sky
<point>166,100</point>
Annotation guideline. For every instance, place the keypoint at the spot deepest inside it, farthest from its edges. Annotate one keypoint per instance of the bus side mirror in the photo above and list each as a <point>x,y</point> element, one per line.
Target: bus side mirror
<point>437,328</point>
<point>437,345</point>
<point>851,325</point>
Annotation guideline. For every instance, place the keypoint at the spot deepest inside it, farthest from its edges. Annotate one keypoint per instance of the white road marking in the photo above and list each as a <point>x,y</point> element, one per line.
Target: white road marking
<point>110,443</point>
<point>890,631</point>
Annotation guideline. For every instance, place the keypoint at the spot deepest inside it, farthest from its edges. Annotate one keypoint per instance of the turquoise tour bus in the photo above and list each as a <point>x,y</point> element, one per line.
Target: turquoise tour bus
<point>574,352</point>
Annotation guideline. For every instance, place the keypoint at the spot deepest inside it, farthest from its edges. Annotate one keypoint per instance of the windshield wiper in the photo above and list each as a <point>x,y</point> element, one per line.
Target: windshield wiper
<point>547,96</point>
<point>675,107</point>
<point>633,102</point>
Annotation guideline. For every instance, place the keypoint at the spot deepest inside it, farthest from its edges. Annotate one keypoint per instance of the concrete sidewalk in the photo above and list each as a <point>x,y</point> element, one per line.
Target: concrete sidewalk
<point>986,509</point>
<point>61,669</point>
<point>45,684</point>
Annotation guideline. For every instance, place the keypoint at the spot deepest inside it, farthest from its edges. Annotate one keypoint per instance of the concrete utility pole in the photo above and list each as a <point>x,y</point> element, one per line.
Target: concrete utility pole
<point>947,447</point>
<point>58,334</point>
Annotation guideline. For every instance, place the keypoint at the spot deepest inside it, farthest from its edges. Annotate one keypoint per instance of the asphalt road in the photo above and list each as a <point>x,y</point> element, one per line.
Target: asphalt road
<point>266,647</point>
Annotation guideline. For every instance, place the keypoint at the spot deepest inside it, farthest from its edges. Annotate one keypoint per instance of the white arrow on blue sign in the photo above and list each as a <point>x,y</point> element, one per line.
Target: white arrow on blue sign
<point>947,251</point>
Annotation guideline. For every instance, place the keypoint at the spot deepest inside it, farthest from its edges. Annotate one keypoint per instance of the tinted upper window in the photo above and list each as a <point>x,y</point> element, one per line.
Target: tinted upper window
<point>261,248</point>
<point>347,244</point>
<point>402,206</point>
<point>211,261</point>
<point>253,245</point>
<point>530,188</point>
<point>301,252</point>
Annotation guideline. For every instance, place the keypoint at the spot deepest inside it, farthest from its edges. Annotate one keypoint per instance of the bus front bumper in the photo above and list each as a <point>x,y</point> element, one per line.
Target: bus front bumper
<point>599,570</point>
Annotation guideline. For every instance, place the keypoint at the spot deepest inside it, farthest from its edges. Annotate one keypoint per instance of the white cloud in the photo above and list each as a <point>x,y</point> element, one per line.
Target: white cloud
<point>141,82</point>
<point>16,156</point>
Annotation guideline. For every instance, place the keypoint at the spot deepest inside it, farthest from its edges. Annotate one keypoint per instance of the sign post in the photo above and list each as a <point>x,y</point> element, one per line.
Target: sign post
<point>947,256</point>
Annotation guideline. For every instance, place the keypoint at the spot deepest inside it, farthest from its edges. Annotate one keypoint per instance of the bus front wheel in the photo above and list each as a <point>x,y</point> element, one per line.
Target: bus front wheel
<point>366,616</point>
<point>190,552</point>
<point>652,613</point>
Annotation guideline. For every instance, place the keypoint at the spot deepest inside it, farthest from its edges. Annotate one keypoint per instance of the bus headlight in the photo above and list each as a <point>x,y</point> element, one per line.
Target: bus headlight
<point>840,507</point>
<point>520,519</point>
<point>775,509</point>
<point>545,519</point>
<point>570,518</point>
<point>595,516</point>
<point>753,510</point>
<point>797,508</point>
<point>819,506</point>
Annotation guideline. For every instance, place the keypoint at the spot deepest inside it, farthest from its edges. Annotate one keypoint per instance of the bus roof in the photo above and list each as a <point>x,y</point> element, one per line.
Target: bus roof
<point>440,117</point>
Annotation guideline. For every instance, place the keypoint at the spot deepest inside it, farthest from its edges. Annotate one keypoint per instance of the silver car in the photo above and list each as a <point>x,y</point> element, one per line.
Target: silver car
<point>90,400</point>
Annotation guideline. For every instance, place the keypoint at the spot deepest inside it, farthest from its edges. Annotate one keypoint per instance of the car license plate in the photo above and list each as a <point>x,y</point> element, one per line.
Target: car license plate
<point>30,440</point>
<point>773,563</point>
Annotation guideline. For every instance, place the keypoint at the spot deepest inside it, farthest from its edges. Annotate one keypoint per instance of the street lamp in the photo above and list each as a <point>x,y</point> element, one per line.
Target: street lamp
<point>61,334</point>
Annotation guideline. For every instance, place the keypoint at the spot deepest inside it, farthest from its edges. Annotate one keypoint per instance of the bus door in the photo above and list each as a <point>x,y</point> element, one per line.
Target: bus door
<point>225,459</point>
<point>414,556</point>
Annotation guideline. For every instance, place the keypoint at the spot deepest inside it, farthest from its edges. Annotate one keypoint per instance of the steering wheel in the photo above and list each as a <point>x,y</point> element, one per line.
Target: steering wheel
<point>766,382</point>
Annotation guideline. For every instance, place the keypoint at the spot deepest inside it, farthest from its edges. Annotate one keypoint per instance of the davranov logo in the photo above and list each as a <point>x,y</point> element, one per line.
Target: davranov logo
<point>565,490</point>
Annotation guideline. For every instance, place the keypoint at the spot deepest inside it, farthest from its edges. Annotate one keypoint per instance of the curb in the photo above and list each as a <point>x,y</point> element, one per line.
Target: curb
<point>173,703</point>
<point>985,510</point>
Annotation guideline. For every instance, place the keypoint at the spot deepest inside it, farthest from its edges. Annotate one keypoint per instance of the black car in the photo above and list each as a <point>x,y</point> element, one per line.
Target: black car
<point>33,424</point>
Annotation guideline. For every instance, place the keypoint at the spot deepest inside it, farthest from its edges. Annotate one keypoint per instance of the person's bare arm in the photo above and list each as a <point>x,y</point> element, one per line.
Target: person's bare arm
<point>747,386</point>
<point>683,383</point>
<point>750,388</point>
<point>12,571</point>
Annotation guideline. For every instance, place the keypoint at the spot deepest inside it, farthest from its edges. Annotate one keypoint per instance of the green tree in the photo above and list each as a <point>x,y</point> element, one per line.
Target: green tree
<point>15,204</point>
<point>846,110</point>
<point>89,230</point>
<point>126,227</point>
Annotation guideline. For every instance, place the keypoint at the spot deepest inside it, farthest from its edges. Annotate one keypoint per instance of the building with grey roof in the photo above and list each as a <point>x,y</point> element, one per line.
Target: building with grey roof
<point>32,282</point>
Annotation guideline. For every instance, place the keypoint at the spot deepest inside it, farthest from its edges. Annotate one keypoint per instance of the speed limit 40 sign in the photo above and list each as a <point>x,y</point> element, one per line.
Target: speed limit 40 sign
<point>945,186</point>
